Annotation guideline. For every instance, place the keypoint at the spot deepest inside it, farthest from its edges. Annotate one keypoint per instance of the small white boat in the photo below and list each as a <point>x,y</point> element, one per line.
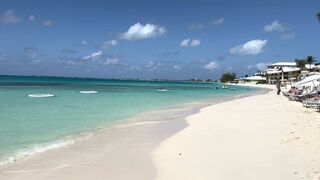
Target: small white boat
<point>41,95</point>
<point>88,92</point>
<point>224,87</point>
<point>162,90</point>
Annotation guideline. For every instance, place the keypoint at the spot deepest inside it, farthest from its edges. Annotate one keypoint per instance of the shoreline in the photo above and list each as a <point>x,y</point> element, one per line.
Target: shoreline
<point>193,107</point>
<point>171,127</point>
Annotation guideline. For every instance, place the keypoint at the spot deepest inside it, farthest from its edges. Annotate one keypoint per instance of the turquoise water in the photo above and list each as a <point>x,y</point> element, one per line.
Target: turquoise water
<point>30,123</point>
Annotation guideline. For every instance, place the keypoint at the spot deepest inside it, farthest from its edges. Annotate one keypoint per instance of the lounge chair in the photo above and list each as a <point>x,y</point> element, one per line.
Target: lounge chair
<point>303,96</point>
<point>311,103</point>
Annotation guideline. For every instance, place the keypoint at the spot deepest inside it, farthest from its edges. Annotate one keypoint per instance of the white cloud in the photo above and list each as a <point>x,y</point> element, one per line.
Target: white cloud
<point>211,65</point>
<point>47,23</point>
<point>261,66</point>
<point>203,25</point>
<point>112,42</point>
<point>185,42</point>
<point>109,43</point>
<point>274,26</point>
<point>31,55</point>
<point>230,68</point>
<point>139,31</point>
<point>177,67</point>
<point>95,59</point>
<point>9,17</point>
<point>111,61</point>
<point>74,62</point>
<point>252,47</point>
<point>190,42</point>
<point>135,68</point>
<point>250,67</point>
<point>94,55</point>
<point>84,42</point>
<point>195,42</point>
<point>152,66</point>
<point>3,57</point>
<point>218,21</point>
<point>290,35</point>
<point>32,18</point>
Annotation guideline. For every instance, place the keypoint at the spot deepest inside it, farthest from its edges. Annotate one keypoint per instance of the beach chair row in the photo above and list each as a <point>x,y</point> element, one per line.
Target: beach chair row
<point>308,99</point>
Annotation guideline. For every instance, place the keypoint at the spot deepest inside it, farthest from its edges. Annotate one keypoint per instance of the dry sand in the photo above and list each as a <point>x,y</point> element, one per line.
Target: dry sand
<point>262,137</point>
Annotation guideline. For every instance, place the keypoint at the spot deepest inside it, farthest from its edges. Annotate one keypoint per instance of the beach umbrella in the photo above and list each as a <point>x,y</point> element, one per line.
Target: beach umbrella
<point>307,80</point>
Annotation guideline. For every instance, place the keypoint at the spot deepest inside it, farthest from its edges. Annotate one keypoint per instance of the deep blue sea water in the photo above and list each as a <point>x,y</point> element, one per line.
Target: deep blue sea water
<point>35,124</point>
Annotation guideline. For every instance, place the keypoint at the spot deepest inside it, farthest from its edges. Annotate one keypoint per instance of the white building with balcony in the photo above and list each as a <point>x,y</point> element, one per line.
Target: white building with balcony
<point>284,72</point>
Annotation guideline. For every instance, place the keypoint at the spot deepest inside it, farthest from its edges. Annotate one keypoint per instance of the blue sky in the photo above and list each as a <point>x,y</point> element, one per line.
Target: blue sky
<point>154,39</point>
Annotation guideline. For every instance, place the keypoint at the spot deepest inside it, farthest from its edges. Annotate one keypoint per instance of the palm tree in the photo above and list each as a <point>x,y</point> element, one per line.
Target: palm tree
<point>301,63</point>
<point>310,60</point>
<point>318,15</point>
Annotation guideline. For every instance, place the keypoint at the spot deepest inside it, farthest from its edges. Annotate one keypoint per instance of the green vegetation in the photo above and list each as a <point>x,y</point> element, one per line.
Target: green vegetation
<point>301,63</point>
<point>228,77</point>
<point>310,60</point>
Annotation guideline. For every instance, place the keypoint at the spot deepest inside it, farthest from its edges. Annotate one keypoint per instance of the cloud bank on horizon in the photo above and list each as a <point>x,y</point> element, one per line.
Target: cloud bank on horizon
<point>197,40</point>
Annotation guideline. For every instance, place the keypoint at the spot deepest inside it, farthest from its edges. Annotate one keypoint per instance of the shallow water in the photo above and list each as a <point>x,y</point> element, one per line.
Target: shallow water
<point>31,125</point>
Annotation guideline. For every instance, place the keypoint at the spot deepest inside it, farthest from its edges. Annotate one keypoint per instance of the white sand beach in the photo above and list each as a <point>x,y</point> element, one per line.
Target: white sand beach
<point>159,90</point>
<point>260,137</point>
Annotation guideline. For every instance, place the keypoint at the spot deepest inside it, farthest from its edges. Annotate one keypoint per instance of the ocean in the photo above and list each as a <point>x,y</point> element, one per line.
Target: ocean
<point>31,124</point>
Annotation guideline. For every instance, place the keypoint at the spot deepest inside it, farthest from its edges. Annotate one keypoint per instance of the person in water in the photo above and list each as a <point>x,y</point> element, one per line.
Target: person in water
<point>278,87</point>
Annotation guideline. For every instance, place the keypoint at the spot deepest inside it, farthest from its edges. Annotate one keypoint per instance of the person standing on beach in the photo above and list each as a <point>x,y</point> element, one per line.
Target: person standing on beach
<point>278,87</point>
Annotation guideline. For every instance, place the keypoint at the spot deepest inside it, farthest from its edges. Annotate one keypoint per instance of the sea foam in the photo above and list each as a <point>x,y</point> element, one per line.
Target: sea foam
<point>41,95</point>
<point>88,92</point>
<point>25,152</point>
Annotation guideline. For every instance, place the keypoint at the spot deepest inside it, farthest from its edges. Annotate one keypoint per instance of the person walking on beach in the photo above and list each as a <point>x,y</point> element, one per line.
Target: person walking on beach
<point>278,87</point>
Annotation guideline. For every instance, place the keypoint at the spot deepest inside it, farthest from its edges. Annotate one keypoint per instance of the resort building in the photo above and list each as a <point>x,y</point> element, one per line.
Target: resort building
<point>254,79</point>
<point>284,72</point>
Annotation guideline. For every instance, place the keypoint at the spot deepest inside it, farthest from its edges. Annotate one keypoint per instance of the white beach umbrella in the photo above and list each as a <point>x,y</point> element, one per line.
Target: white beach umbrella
<point>307,80</point>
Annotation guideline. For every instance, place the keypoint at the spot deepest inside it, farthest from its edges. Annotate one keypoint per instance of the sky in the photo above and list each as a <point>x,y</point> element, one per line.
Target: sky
<point>164,39</point>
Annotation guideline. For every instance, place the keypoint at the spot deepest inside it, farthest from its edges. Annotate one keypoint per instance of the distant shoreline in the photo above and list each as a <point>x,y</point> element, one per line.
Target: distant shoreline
<point>106,79</point>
